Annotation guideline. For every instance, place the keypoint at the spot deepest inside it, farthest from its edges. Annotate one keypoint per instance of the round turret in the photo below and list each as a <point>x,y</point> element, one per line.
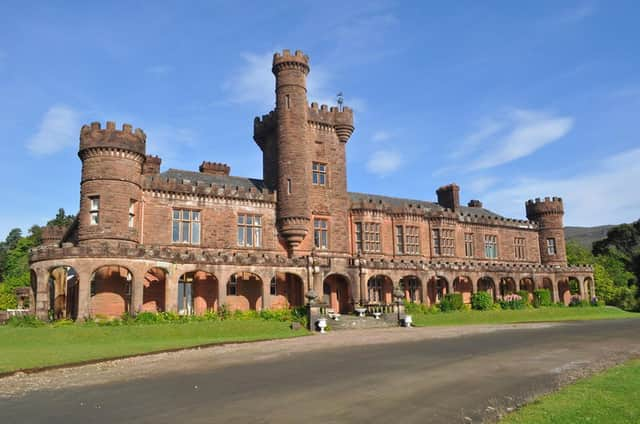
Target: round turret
<point>112,161</point>
<point>549,213</point>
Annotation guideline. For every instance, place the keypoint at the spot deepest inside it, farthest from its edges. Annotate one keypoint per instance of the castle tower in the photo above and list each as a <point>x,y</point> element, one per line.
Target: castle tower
<point>548,213</point>
<point>292,149</point>
<point>110,189</point>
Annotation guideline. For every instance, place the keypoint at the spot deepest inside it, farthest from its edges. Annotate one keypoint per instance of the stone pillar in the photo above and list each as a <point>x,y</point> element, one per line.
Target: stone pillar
<point>171,292</point>
<point>556,296</point>
<point>423,288</point>
<point>222,293</point>
<point>317,282</point>
<point>137,290</point>
<point>84,295</point>
<point>581,287</point>
<point>517,284</point>
<point>363,288</point>
<point>266,293</point>
<point>474,285</point>
<point>42,295</point>
<point>450,285</point>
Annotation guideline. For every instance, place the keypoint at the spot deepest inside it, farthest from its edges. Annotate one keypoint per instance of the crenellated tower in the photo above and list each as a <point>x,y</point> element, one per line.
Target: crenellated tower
<point>548,213</point>
<point>110,189</point>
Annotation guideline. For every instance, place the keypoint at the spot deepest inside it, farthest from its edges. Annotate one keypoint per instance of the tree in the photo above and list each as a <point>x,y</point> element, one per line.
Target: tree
<point>61,219</point>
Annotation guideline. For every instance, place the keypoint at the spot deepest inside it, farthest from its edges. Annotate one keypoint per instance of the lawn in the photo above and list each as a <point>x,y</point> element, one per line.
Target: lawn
<point>23,348</point>
<point>609,397</point>
<point>524,315</point>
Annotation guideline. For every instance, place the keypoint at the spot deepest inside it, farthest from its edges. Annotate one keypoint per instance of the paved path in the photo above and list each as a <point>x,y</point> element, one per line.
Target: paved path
<point>434,375</point>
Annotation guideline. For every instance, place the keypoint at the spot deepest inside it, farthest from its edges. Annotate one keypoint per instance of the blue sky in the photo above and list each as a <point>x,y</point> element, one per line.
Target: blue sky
<point>511,100</point>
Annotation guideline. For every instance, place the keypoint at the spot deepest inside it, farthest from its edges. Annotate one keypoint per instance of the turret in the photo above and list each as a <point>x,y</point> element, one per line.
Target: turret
<point>548,213</point>
<point>293,150</point>
<point>110,190</point>
<point>151,165</point>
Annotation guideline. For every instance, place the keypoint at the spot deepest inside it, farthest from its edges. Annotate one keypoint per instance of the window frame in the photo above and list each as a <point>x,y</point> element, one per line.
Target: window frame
<point>491,246</point>
<point>191,222</point>
<point>469,250</point>
<point>132,213</point>
<point>253,231</point>
<point>321,233</point>
<point>552,247</point>
<point>94,210</point>
<point>520,248</point>
<point>319,174</point>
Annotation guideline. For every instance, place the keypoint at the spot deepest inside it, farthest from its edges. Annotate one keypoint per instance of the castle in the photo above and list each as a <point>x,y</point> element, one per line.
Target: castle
<point>189,242</point>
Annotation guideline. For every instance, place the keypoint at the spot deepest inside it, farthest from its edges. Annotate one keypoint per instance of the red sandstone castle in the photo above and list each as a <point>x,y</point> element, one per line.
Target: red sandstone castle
<point>185,241</point>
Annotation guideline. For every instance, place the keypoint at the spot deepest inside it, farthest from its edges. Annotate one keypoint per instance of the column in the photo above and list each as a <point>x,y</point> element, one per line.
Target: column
<point>266,293</point>
<point>450,285</point>
<point>137,288</point>
<point>84,295</point>
<point>556,297</point>
<point>517,284</point>
<point>581,287</point>
<point>171,292</point>
<point>423,288</point>
<point>363,288</point>
<point>42,295</point>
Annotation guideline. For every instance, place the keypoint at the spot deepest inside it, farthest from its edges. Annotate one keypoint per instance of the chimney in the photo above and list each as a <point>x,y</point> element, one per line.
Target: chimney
<point>449,197</point>
<point>151,165</point>
<point>214,168</point>
<point>474,203</point>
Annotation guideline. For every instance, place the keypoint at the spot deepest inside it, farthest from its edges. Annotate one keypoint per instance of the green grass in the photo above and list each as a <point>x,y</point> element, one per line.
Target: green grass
<point>524,315</point>
<point>23,348</point>
<point>609,397</point>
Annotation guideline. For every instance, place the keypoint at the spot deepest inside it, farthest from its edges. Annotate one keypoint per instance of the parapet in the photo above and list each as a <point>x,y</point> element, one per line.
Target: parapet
<point>52,235</point>
<point>548,206</point>
<point>94,136</point>
<point>286,60</point>
<point>151,165</point>
<point>264,126</point>
<point>215,168</point>
<point>340,120</point>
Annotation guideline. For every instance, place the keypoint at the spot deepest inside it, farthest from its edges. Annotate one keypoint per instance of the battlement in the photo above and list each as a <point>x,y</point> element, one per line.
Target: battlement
<point>547,206</point>
<point>151,165</point>
<point>204,189</point>
<point>263,126</point>
<point>286,60</point>
<point>215,168</point>
<point>340,120</point>
<point>94,136</point>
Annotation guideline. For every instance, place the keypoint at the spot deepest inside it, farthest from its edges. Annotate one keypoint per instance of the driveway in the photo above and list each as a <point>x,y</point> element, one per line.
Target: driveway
<point>435,375</point>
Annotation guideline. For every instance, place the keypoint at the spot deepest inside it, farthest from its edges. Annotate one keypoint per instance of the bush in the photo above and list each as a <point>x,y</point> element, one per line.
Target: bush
<point>524,295</point>
<point>65,322</point>
<point>542,297</point>
<point>25,321</point>
<point>576,301</point>
<point>419,308</point>
<point>481,301</point>
<point>452,302</point>
<point>512,301</point>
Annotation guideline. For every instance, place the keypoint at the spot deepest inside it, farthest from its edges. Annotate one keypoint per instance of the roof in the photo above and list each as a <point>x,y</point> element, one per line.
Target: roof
<point>248,183</point>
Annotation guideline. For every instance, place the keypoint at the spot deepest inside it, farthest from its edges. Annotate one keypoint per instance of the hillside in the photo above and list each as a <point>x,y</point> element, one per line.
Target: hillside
<point>585,236</point>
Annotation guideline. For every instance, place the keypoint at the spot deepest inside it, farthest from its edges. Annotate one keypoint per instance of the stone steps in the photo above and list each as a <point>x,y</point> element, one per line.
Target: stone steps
<point>347,322</point>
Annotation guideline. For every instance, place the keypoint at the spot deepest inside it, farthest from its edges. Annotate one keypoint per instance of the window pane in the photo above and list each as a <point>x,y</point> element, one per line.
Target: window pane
<point>185,231</point>
<point>176,231</point>
<point>240,236</point>
<point>249,220</point>
<point>176,214</point>
<point>195,216</point>
<point>240,219</point>
<point>185,215</point>
<point>258,237</point>
<point>195,237</point>
<point>322,179</point>
<point>315,178</point>
<point>258,221</point>
<point>249,237</point>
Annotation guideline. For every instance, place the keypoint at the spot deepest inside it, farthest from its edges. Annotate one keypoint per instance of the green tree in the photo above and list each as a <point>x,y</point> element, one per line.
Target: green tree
<point>61,219</point>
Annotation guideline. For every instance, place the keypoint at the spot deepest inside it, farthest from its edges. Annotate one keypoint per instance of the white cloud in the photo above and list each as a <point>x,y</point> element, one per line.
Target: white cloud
<point>605,195</point>
<point>169,142</point>
<point>517,134</point>
<point>380,136</point>
<point>59,129</point>
<point>479,185</point>
<point>384,162</point>
<point>159,70</point>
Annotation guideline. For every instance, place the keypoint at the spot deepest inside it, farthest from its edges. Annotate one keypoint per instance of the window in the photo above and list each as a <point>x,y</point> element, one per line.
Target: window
<point>519,245</point>
<point>287,101</point>
<point>490,246</point>
<point>320,233</point>
<point>319,173</point>
<point>468,245</point>
<point>94,210</point>
<point>551,246</point>
<point>412,286</point>
<point>443,242</point>
<point>273,287</point>
<point>186,226</point>
<point>400,239</point>
<point>249,230</point>
<point>232,287</point>
<point>359,246</point>
<point>289,186</point>
<point>368,236</point>
<point>132,213</point>
<point>407,240</point>
<point>374,287</point>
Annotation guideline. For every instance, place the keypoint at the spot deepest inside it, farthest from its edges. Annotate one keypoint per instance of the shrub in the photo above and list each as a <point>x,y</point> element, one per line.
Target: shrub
<point>576,301</point>
<point>542,297</point>
<point>65,322</point>
<point>25,321</point>
<point>512,301</point>
<point>481,301</point>
<point>524,295</point>
<point>452,302</point>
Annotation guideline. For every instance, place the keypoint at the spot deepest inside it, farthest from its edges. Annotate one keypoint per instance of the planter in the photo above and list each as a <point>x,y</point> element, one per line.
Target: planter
<point>322,324</point>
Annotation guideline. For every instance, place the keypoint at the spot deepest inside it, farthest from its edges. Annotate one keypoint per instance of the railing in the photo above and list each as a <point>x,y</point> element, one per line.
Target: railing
<point>383,308</point>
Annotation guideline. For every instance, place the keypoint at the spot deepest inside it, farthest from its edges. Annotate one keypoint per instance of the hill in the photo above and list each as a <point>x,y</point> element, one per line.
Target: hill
<point>585,236</point>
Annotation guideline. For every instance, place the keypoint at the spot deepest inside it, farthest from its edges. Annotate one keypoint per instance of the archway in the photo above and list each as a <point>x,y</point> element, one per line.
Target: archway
<point>153,291</point>
<point>564,291</point>
<point>589,288</point>
<point>197,293</point>
<point>380,289</point>
<point>111,291</point>
<point>337,293</point>
<point>507,286</point>
<point>412,288</point>
<point>486,284</point>
<point>437,289</point>
<point>244,292</point>
<point>286,290</point>
<point>527,284</point>
<point>464,286</point>
<point>63,293</point>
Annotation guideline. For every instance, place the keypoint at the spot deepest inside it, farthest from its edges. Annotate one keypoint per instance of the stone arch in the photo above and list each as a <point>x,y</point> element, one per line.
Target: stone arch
<point>63,291</point>
<point>437,289</point>
<point>380,289</point>
<point>154,290</point>
<point>487,284</point>
<point>110,291</point>
<point>547,284</point>
<point>33,290</point>
<point>564,291</point>
<point>336,290</point>
<point>412,287</point>
<point>197,292</point>
<point>527,284</point>
<point>286,290</point>
<point>464,286</point>
<point>244,291</point>
<point>507,286</point>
